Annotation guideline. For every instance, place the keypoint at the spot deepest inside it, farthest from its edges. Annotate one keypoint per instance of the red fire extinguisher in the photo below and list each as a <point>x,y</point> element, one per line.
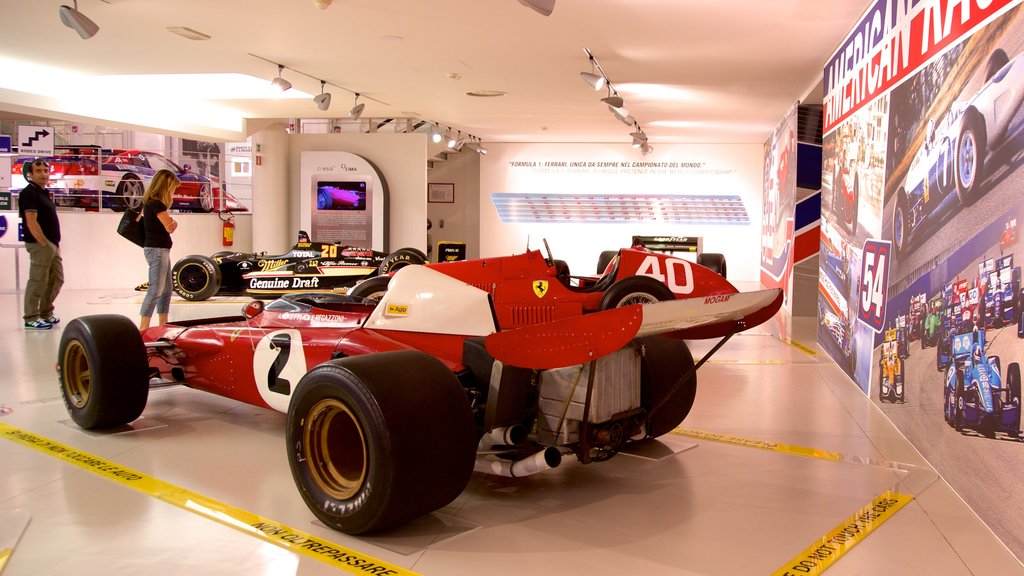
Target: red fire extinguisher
<point>228,235</point>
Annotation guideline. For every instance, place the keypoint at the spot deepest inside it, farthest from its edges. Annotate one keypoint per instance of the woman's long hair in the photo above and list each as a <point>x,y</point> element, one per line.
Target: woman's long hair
<point>162,188</point>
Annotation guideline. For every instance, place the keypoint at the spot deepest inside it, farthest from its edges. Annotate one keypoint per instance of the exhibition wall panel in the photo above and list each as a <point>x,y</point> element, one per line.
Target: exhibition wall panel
<point>459,220</point>
<point>920,294</point>
<point>587,198</point>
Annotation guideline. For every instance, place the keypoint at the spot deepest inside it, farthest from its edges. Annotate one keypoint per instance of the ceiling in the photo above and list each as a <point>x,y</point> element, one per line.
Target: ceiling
<point>724,70</point>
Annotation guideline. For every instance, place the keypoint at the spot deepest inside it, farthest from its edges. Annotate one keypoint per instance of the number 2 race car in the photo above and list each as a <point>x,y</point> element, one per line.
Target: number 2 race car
<point>308,266</point>
<point>392,405</point>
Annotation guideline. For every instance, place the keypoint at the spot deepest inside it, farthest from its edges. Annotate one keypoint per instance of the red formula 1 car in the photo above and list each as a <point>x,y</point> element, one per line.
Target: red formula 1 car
<point>392,405</point>
<point>530,288</point>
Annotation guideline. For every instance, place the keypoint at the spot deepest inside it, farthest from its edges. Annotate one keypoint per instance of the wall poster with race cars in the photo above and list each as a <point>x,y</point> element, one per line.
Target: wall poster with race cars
<point>93,168</point>
<point>920,295</point>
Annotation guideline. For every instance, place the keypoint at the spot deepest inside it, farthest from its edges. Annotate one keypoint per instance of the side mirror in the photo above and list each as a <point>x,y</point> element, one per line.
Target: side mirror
<point>252,309</point>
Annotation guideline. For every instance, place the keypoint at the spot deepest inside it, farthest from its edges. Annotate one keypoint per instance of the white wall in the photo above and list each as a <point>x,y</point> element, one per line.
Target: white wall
<point>733,169</point>
<point>459,221</point>
<point>96,257</point>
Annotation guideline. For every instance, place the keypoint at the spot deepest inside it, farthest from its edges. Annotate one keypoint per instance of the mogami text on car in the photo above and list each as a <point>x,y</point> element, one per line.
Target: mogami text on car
<point>392,405</point>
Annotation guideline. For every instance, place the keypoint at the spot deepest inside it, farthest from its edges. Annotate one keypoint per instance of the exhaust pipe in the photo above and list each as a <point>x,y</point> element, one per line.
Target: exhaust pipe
<point>503,436</point>
<point>546,459</point>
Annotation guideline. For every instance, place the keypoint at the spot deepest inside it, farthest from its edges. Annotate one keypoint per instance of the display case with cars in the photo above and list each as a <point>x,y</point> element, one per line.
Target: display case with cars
<point>977,397</point>
<point>308,266</point>
<point>391,405</point>
<point>92,177</point>
<point>890,373</point>
<point>947,171</point>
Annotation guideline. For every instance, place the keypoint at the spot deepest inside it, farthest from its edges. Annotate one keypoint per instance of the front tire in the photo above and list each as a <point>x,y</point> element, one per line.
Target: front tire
<point>635,290</point>
<point>970,158</point>
<point>128,194</point>
<point>899,224</point>
<point>205,198</point>
<point>103,371</point>
<point>196,278</point>
<point>371,447</point>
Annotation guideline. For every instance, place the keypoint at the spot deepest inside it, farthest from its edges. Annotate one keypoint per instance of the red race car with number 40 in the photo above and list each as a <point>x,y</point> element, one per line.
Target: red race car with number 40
<point>392,405</point>
<point>530,288</point>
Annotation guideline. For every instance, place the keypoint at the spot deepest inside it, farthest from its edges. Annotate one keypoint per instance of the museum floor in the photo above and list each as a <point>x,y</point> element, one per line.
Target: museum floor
<point>780,453</point>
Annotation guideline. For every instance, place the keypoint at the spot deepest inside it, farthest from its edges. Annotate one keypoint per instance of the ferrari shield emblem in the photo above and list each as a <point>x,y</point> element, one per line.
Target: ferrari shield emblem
<point>540,288</point>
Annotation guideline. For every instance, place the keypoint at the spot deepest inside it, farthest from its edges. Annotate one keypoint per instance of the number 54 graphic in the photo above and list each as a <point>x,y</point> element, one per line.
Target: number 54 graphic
<point>874,279</point>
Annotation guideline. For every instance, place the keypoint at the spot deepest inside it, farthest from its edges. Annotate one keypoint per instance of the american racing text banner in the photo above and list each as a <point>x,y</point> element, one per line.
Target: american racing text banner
<point>892,40</point>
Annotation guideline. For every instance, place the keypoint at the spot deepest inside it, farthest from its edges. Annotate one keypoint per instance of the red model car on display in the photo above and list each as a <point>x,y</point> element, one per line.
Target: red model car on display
<point>530,288</point>
<point>391,405</point>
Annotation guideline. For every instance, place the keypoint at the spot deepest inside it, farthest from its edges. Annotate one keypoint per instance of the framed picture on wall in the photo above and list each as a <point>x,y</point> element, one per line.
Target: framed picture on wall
<point>441,192</point>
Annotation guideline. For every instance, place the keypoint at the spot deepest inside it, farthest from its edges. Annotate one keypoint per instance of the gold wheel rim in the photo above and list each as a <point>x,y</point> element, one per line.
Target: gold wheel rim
<point>76,376</point>
<point>335,449</point>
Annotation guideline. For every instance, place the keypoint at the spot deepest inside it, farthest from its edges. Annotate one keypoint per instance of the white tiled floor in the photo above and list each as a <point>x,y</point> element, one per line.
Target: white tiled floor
<point>717,508</point>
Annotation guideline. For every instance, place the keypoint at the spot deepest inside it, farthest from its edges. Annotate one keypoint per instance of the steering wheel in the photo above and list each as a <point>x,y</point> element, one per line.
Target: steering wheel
<point>549,260</point>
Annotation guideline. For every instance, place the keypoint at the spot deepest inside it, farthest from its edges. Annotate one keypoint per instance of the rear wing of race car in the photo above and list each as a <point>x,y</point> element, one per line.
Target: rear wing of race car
<point>588,337</point>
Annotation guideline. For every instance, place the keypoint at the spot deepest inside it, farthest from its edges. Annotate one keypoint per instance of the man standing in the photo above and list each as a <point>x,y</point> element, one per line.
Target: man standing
<point>42,240</point>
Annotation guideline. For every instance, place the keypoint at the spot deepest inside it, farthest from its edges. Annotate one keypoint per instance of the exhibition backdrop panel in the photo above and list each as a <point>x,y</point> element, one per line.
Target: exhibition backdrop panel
<point>920,276</point>
<point>588,198</point>
<point>343,198</point>
<point>779,200</point>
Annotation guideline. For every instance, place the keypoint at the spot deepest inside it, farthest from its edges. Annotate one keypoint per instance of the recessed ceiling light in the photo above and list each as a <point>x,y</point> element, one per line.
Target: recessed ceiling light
<point>189,33</point>
<point>486,93</point>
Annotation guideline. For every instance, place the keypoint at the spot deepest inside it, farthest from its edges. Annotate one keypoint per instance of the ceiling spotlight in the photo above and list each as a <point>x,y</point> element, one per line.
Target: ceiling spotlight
<point>77,21</point>
<point>186,32</point>
<point>613,99</point>
<point>357,109</point>
<point>323,99</point>
<point>542,6</point>
<point>435,134</point>
<point>646,148</point>
<point>452,140</point>
<point>638,142</point>
<point>322,4</point>
<point>596,81</point>
<point>280,83</point>
<point>620,113</point>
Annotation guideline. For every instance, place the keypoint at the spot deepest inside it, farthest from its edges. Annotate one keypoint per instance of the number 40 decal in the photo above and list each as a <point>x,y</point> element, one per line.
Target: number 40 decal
<point>874,280</point>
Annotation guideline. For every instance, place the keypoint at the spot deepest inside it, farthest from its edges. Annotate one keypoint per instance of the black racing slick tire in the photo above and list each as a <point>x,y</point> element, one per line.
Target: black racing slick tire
<point>103,371</point>
<point>196,278</point>
<point>635,290</point>
<point>665,362</point>
<point>401,258</point>
<point>604,259</point>
<point>376,440</point>
<point>371,288</point>
<point>714,262</point>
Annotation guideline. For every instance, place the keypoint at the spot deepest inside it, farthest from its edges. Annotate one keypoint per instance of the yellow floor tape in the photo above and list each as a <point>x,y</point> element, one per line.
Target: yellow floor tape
<point>821,555</point>
<point>252,524</point>
<point>5,554</point>
<point>805,349</point>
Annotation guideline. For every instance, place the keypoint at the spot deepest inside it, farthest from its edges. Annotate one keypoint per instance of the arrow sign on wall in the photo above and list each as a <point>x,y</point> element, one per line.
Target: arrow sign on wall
<point>35,140</point>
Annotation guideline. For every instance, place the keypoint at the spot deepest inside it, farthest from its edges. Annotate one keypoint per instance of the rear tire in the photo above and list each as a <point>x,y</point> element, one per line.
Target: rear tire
<point>604,259</point>
<point>970,158</point>
<point>371,289</point>
<point>103,371</point>
<point>128,194</point>
<point>371,447</point>
<point>401,258</point>
<point>996,60</point>
<point>1013,383</point>
<point>714,262</point>
<point>196,278</point>
<point>665,361</point>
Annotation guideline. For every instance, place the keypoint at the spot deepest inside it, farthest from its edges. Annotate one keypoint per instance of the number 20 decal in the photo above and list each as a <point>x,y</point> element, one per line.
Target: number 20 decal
<point>278,364</point>
<point>874,279</point>
<point>678,274</point>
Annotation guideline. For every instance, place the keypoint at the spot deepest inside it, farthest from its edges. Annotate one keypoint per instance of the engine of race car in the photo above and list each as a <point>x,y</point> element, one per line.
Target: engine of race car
<point>592,409</point>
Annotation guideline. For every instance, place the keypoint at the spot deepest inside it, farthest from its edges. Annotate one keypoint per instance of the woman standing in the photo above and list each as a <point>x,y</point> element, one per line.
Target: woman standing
<point>159,226</point>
